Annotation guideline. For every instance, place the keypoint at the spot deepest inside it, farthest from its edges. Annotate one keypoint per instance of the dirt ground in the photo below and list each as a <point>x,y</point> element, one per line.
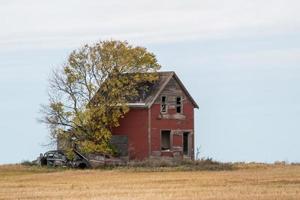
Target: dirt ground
<point>246,182</point>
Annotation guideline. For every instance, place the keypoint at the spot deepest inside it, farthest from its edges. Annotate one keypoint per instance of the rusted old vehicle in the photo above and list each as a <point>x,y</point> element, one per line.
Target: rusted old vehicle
<point>57,158</point>
<point>96,160</point>
<point>53,158</point>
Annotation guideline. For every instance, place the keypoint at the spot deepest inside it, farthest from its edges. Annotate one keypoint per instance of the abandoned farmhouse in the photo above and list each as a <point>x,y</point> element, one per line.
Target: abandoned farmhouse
<point>159,123</point>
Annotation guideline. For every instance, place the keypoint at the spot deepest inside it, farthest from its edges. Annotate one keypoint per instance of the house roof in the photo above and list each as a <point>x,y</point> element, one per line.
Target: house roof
<point>146,99</point>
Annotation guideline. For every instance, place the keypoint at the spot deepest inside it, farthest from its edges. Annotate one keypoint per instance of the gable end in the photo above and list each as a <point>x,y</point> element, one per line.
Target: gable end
<point>173,76</point>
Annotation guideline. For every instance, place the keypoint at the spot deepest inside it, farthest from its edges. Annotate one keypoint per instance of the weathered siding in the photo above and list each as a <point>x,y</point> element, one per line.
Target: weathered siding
<point>176,122</point>
<point>135,126</point>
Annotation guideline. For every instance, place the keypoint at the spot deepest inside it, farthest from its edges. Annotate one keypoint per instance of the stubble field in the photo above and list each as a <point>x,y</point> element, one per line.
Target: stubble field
<point>244,182</point>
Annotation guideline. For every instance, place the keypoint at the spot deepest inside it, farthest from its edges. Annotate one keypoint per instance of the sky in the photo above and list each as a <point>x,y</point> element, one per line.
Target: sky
<point>239,59</point>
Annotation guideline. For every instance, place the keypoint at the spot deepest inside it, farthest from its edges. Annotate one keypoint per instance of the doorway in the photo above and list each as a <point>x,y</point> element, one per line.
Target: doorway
<point>186,143</point>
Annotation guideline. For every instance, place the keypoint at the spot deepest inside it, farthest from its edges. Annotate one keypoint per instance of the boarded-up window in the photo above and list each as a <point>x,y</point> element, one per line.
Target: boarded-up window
<point>120,142</point>
<point>165,140</point>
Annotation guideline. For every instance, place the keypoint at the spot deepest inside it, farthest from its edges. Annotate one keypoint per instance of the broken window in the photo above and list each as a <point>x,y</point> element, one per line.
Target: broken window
<point>163,107</point>
<point>178,104</point>
<point>165,140</point>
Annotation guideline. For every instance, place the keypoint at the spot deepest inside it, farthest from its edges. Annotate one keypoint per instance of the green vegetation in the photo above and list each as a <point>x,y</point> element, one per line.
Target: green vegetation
<point>89,94</point>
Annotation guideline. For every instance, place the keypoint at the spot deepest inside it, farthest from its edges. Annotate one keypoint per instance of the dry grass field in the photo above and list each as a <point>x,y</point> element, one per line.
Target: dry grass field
<point>244,182</point>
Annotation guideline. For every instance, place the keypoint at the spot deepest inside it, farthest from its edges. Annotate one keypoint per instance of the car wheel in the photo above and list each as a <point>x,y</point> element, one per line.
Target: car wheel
<point>82,166</point>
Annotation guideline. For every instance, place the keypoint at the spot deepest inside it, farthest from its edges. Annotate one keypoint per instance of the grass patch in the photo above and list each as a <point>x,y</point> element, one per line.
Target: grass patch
<point>164,164</point>
<point>21,169</point>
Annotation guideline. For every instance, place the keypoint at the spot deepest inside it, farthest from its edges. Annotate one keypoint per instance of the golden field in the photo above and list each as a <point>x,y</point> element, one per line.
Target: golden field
<point>244,182</point>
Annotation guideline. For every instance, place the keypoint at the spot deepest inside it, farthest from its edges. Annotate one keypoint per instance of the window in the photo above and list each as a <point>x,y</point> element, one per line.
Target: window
<point>178,104</point>
<point>50,155</point>
<point>163,107</point>
<point>165,140</point>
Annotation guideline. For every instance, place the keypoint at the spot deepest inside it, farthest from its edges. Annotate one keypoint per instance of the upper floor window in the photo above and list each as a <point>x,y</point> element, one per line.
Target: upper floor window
<point>178,104</point>
<point>163,105</point>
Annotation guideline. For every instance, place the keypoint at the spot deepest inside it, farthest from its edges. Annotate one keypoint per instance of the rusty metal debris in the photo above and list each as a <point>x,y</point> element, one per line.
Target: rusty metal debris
<point>57,158</point>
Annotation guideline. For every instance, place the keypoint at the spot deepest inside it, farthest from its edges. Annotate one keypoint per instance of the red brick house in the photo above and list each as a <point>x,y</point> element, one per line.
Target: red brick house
<point>159,123</point>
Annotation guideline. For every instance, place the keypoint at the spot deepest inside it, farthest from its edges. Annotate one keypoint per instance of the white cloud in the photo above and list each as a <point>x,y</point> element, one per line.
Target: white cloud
<point>46,24</point>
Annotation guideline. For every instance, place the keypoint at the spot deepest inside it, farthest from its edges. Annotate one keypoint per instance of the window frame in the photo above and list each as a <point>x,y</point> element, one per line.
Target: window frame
<point>179,105</point>
<point>170,140</point>
<point>164,103</point>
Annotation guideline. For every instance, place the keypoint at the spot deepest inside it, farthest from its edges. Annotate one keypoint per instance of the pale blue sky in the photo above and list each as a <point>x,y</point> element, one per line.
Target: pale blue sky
<point>239,59</point>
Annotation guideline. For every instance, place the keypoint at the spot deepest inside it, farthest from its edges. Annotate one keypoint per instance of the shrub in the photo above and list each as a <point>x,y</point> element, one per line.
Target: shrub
<point>163,164</point>
<point>28,163</point>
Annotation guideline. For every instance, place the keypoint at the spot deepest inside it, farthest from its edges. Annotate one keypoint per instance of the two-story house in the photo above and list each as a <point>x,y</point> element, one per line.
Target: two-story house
<point>159,123</point>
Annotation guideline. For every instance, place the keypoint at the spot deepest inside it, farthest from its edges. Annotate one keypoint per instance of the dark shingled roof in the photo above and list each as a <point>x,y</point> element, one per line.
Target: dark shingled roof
<point>147,97</point>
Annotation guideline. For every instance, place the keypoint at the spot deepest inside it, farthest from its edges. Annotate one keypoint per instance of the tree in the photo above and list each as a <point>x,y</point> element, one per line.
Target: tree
<point>89,94</point>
